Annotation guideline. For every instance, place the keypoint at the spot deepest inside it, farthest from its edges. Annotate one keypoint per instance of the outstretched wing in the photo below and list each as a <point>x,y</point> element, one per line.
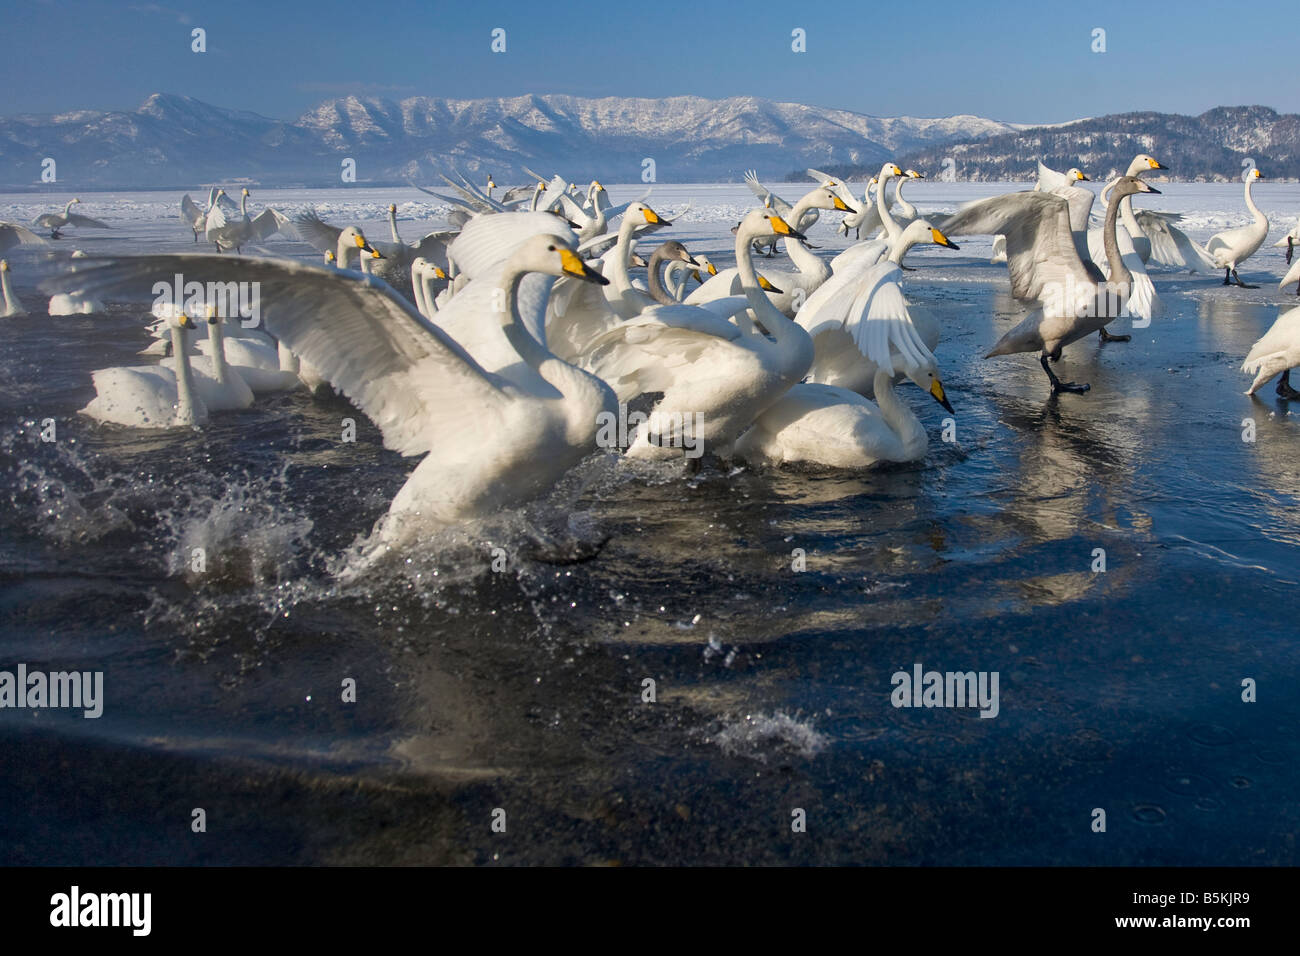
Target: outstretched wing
<point>86,222</point>
<point>316,231</point>
<point>1041,254</point>
<point>405,373</point>
<point>12,234</point>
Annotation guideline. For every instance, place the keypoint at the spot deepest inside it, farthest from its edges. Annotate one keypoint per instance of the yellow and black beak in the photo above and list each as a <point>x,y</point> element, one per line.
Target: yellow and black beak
<point>695,274</point>
<point>692,261</point>
<point>767,286</point>
<point>1083,178</point>
<point>941,240</point>
<point>185,322</point>
<point>438,273</point>
<point>1155,164</point>
<point>841,205</point>
<point>654,219</point>
<point>936,392</point>
<point>713,270</point>
<point>783,228</point>
<point>574,266</point>
<point>365,246</point>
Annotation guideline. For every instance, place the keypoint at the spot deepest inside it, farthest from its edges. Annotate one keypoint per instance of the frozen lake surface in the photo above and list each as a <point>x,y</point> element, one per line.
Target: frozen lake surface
<point>522,691</point>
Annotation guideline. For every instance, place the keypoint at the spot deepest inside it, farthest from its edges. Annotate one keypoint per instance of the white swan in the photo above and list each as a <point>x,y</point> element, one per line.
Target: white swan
<point>12,306</point>
<point>1074,299</point>
<point>1277,351</point>
<point>54,221</point>
<point>1232,247</point>
<point>867,216</point>
<point>150,396</point>
<point>794,287</point>
<point>498,439</point>
<point>196,217</point>
<point>838,428</point>
<point>904,212</point>
<point>74,303</point>
<point>265,365</point>
<point>716,378</point>
<point>221,388</point>
<point>225,234</point>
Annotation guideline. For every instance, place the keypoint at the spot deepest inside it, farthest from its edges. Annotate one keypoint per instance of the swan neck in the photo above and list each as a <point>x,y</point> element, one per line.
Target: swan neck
<point>1250,201</point>
<point>529,349</point>
<point>900,418</point>
<point>772,318</point>
<point>184,380</point>
<point>417,289</point>
<point>657,290</point>
<point>218,339</point>
<point>1119,273</point>
<point>7,291</point>
<point>882,208</point>
<point>622,259</point>
<point>392,225</point>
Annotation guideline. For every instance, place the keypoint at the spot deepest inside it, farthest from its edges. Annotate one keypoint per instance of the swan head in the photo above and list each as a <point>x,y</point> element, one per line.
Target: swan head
<point>926,378</point>
<point>212,315</point>
<point>551,255</point>
<point>672,249</point>
<point>490,183</point>
<point>4,265</point>
<point>1129,185</point>
<point>913,174</point>
<point>824,198</point>
<point>392,207</point>
<point>920,232</point>
<point>245,191</point>
<point>354,236</point>
<point>78,254</point>
<point>1077,175</point>
<point>889,171</point>
<point>646,214</point>
<point>76,200</point>
<point>765,222</point>
<point>1146,162</point>
<point>179,318</point>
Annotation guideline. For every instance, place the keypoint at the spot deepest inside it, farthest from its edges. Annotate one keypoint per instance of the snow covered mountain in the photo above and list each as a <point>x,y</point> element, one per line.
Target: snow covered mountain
<point>1211,147</point>
<point>178,141</point>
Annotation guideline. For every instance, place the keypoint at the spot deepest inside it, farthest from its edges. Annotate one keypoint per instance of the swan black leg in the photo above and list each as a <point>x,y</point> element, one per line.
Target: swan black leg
<point>1240,283</point>
<point>1107,337</point>
<point>1289,243</point>
<point>1227,276</point>
<point>1057,384</point>
<point>1284,389</point>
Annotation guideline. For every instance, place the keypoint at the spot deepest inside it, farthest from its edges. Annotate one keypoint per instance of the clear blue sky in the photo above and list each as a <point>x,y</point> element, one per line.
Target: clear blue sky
<point>1007,60</point>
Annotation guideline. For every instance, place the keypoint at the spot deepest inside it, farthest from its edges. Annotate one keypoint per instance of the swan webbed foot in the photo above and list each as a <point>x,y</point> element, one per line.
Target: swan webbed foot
<point>1284,389</point>
<point>1057,385</point>
<point>1107,337</point>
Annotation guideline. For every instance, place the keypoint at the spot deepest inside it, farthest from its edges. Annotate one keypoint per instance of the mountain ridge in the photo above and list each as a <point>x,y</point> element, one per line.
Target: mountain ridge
<point>178,140</point>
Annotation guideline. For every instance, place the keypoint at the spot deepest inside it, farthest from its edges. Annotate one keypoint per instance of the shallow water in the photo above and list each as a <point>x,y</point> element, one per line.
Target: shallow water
<point>522,690</point>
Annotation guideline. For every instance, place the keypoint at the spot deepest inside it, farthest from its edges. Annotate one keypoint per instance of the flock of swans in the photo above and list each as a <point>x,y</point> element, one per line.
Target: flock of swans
<point>501,348</point>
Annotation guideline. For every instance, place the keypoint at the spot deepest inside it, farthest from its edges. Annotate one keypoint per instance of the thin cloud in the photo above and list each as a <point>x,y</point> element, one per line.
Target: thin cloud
<point>158,10</point>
